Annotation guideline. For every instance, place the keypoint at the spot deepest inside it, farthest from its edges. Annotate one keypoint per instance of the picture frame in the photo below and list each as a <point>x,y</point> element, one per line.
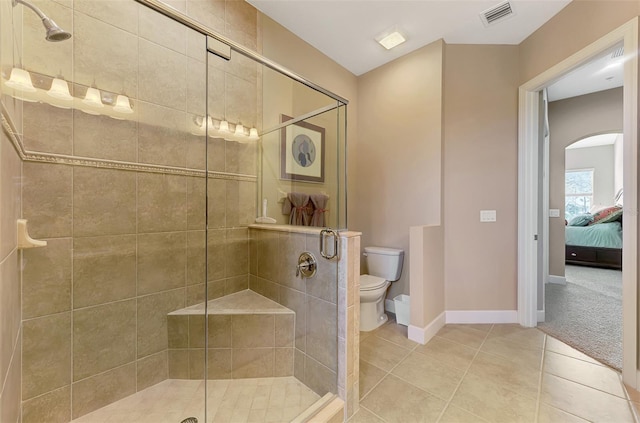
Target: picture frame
<point>302,151</point>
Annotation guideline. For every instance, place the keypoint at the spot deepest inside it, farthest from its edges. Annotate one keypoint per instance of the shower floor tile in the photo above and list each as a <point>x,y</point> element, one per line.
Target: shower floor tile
<point>278,399</point>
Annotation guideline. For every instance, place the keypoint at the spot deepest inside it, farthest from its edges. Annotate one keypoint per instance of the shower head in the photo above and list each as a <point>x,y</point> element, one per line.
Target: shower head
<point>54,32</point>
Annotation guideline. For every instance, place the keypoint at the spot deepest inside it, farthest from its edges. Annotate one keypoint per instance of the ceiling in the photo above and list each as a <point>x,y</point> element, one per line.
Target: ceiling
<point>595,141</point>
<point>345,30</point>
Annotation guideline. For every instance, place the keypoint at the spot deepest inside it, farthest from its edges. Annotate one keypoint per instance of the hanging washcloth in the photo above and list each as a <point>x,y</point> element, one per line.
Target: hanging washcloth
<point>298,208</point>
<point>319,209</point>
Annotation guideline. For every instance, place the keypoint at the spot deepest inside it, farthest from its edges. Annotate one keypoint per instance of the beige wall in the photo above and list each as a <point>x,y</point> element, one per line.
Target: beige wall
<point>600,159</point>
<point>573,28</point>
<point>399,158</point>
<point>569,121</point>
<point>427,274</point>
<point>10,211</point>
<point>285,48</point>
<point>480,155</point>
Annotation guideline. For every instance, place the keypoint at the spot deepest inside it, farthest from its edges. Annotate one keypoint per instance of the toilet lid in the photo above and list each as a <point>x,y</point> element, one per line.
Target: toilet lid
<point>369,282</point>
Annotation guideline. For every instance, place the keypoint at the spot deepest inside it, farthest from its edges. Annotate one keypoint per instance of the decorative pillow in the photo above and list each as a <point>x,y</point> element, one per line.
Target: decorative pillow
<point>607,215</point>
<point>581,220</point>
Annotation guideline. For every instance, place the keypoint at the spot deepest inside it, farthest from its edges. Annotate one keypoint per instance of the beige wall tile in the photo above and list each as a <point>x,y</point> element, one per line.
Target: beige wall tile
<point>241,100</point>
<point>196,204</point>
<point>104,269</point>
<point>178,364</point>
<point>47,279</point>
<point>284,362</point>
<point>237,252</point>
<point>247,158</point>
<point>247,202</point>
<point>121,13</point>
<point>97,391</point>
<point>285,330</point>
<point>196,364</point>
<point>231,157</point>
<point>46,358</point>
<point>152,320</point>
<point>216,254</point>
<point>10,397</point>
<point>104,202</point>
<point>47,194</point>
<point>48,129</point>
<point>161,203</point>
<point>52,407</point>
<point>296,301</point>
<point>291,245</point>
<point>210,13</point>
<point>103,137</point>
<point>196,331</point>
<point>219,363</point>
<point>167,88</point>
<point>265,288</point>
<point>162,30</point>
<point>161,261</point>
<point>253,330</point>
<point>232,204</point>
<point>215,289</point>
<point>10,311</point>
<point>196,258</point>
<point>152,370</point>
<point>216,155</point>
<point>41,56</point>
<point>217,190</point>
<point>178,331</point>
<point>253,362</point>
<point>196,44</point>
<point>195,145</point>
<point>103,338</point>
<point>163,135</point>
<point>322,332</point>
<point>318,377</point>
<point>120,72</point>
<point>10,195</point>
<point>241,16</point>
<point>324,284</point>
<point>236,284</point>
<point>298,364</point>
<point>266,254</point>
<point>195,294</point>
<point>198,92</point>
<point>219,335</point>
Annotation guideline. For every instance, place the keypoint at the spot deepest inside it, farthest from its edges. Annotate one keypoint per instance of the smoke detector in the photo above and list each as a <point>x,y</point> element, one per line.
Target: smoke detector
<point>498,13</point>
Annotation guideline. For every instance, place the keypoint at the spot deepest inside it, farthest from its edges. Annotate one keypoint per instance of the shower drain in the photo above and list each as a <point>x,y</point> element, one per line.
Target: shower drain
<point>190,420</point>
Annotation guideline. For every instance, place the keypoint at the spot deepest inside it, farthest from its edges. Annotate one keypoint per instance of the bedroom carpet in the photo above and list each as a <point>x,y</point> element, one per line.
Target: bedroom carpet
<point>586,313</point>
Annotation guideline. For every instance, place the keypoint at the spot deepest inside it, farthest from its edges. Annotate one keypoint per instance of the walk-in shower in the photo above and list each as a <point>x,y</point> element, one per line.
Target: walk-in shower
<point>146,148</point>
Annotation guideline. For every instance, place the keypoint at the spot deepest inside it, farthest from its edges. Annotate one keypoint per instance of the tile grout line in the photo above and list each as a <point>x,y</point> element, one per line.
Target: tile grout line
<point>466,372</point>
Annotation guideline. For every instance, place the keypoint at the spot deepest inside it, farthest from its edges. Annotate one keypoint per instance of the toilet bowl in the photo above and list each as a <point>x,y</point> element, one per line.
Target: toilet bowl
<point>385,266</point>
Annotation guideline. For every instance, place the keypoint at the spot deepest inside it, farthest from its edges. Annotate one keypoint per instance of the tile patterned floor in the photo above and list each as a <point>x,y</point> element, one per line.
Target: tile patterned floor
<point>485,373</point>
<point>266,400</point>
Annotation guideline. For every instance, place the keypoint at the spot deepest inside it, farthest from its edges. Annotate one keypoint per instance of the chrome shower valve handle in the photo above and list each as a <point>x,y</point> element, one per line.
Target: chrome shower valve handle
<point>307,265</point>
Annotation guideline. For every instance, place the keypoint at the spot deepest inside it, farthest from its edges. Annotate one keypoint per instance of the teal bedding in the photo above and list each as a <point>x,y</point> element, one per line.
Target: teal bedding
<point>604,235</point>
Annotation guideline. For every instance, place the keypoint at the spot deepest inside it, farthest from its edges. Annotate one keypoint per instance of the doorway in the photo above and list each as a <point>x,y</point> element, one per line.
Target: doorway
<point>529,265</point>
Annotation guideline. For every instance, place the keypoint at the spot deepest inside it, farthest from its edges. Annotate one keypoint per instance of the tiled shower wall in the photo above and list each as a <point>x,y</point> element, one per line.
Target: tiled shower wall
<point>125,247</point>
<point>10,205</point>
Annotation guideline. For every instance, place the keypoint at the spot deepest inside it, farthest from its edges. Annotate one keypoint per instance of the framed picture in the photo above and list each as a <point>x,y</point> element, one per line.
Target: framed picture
<point>302,152</point>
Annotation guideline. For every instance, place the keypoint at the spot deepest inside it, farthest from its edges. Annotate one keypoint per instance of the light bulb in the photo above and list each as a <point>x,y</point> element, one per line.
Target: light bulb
<point>224,126</point>
<point>20,79</point>
<point>253,134</point>
<point>239,130</point>
<point>59,89</point>
<point>93,98</point>
<point>122,104</point>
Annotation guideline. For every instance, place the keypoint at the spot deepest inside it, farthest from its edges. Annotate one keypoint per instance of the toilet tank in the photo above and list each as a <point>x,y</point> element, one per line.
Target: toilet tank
<point>384,262</point>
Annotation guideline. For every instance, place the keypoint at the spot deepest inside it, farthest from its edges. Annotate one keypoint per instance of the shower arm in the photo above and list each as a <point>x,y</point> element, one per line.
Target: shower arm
<point>38,12</point>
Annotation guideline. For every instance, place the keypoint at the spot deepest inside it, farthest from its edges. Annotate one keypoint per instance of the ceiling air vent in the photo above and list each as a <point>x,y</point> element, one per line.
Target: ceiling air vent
<point>619,52</point>
<point>497,13</point>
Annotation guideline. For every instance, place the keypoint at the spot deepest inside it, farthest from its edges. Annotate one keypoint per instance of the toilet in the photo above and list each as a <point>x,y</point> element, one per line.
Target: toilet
<point>385,266</point>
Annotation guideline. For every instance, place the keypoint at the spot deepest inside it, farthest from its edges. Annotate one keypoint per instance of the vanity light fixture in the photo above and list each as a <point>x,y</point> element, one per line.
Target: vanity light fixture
<point>59,89</point>
<point>224,126</point>
<point>93,98</point>
<point>391,38</point>
<point>122,104</point>
<point>253,134</point>
<point>239,130</point>
<point>20,79</point>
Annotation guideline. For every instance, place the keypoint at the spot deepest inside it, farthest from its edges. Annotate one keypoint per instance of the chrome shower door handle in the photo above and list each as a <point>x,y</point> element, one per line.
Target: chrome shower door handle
<point>323,252</point>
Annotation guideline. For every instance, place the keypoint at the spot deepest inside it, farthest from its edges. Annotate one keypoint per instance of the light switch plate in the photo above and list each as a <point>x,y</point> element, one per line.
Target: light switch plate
<point>554,212</point>
<point>487,215</point>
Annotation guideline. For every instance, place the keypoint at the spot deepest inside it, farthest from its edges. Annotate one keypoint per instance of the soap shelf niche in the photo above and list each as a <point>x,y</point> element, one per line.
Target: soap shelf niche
<point>24,240</point>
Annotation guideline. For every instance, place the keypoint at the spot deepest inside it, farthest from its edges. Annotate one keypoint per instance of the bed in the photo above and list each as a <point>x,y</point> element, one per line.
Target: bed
<point>597,244</point>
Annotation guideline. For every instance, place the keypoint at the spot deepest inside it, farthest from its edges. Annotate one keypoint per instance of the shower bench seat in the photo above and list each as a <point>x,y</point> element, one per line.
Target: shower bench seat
<point>249,336</point>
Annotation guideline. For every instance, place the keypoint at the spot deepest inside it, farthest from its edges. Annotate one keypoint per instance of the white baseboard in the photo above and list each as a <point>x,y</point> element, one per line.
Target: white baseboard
<point>482,316</point>
<point>390,306</point>
<point>424,335</point>
<point>540,316</point>
<point>560,280</point>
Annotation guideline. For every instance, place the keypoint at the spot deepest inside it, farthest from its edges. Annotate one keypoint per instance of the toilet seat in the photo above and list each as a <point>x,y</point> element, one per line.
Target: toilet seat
<point>371,283</point>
